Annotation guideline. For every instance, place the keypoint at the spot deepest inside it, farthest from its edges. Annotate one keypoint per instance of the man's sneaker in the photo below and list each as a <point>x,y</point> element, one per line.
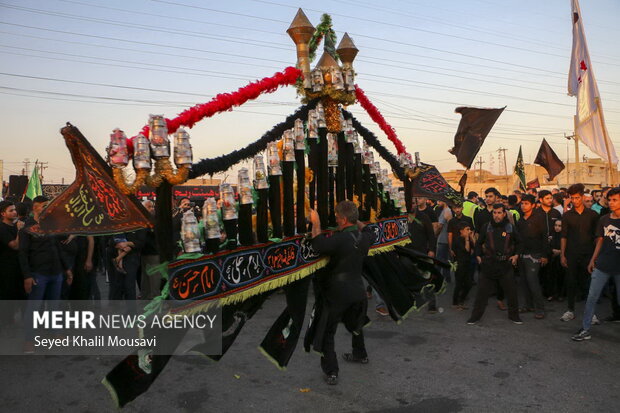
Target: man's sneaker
<point>567,316</point>
<point>581,335</point>
<point>516,320</point>
<point>331,379</point>
<point>471,321</point>
<point>595,321</point>
<point>382,311</point>
<point>612,319</point>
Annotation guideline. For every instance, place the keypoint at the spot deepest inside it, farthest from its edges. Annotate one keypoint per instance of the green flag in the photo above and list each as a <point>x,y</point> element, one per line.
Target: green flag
<point>520,171</point>
<point>34,185</point>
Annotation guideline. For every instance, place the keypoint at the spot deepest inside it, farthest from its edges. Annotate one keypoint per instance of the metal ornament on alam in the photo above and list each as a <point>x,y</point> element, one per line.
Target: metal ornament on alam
<point>211,220</point>
<point>260,177</point>
<point>190,234</point>
<point>245,187</point>
<point>229,207</point>
<point>288,150</point>
<point>298,132</point>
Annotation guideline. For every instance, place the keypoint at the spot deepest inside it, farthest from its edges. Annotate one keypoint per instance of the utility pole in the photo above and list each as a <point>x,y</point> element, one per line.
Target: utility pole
<point>26,163</point>
<point>569,137</point>
<point>502,156</point>
<point>576,139</point>
<point>479,162</point>
<point>42,166</point>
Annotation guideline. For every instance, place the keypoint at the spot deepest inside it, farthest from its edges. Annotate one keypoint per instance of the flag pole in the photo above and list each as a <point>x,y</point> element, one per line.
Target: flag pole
<point>611,181</point>
<point>26,190</point>
<point>576,139</point>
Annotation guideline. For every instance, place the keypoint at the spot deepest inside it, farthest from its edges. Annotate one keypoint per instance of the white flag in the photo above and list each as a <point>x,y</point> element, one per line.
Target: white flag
<point>590,124</point>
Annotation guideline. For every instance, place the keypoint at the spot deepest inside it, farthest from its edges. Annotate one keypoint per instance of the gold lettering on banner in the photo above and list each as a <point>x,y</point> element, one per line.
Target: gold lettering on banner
<point>82,206</point>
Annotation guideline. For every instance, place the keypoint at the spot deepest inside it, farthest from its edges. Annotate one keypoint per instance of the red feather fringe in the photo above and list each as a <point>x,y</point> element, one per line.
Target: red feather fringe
<point>226,101</point>
<point>378,118</point>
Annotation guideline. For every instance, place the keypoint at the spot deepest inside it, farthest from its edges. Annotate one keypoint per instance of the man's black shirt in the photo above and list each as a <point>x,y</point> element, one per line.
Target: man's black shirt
<point>39,254</point>
<point>421,233</point>
<point>497,240</point>
<point>9,258</point>
<point>347,249</point>
<point>579,231</point>
<point>432,216</point>
<point>481,217</point>
<point>552,216</point>
<point>533,234</point>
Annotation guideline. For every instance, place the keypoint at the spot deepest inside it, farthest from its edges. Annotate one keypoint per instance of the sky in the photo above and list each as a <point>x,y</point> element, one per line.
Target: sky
<point>107,64</point>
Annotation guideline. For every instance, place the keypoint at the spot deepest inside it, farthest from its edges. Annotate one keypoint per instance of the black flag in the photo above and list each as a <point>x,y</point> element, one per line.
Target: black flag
<point>427,181</point>
<point>473,129</point>
<point>549,160</point>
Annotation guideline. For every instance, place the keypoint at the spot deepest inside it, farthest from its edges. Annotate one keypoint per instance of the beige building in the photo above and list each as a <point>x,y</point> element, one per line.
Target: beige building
<point>592,173</point>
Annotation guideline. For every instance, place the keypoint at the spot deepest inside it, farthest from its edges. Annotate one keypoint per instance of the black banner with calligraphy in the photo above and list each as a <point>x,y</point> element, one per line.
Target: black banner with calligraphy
<point>427,181</point>
<point>233,276</point>
<point>92,204</point>
<point>194,193</point>
<point>51,191</point>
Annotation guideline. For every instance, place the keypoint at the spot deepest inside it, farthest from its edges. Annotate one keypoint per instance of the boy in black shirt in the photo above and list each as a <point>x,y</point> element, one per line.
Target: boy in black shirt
<point>604,262</point>
<point>578,227</point>
<point>462,248</point>
<point>11,280</point>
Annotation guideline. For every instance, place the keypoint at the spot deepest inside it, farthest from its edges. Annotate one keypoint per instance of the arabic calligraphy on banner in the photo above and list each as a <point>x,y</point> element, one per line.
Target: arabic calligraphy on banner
<point>428,182</point>
<point>51,191</point>
<point>194,193</point>
<point>227,273</point>
<point>92,204</point>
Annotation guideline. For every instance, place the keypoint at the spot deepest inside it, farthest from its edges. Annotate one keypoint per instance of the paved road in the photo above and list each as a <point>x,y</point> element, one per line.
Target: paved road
<point>429,363</point>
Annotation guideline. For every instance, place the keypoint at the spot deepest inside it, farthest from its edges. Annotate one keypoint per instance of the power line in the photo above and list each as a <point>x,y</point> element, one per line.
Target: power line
<point>242,77</point>
<point>256,65</point>
<point>280,48</point>
<point>159,45</point>
<point>231,39</point>
<point>451,24</point>
<point>357,18</point>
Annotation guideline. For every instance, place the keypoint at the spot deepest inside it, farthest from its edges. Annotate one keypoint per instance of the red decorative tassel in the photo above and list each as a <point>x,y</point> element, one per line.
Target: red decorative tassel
<point>226,101</point>
<point>378,118</point>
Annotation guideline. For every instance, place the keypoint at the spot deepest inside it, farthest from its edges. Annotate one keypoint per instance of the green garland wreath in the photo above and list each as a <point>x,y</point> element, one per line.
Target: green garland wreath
<point>324,29</point>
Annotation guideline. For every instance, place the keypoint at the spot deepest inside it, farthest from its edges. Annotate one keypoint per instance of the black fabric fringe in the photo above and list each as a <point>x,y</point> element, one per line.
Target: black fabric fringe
<point>340,170</point>
<point>408,195</point>
<point>275,206</point>
<point>357,181</point>
<point>222,163</point>
<point>230,226</point>
<point>313,165</point>
<point>350,172</point>
<point>367,204</point>
<point>301,191</point>
<point>262,216</point>
<point>288,211</point>
<point>246,236</point>
<point>321,174</point>
<point>332,196</point>
<point>163,224</point>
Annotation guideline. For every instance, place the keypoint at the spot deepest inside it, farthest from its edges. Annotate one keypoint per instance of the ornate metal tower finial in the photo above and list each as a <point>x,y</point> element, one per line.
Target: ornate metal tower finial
<point>301,31</point>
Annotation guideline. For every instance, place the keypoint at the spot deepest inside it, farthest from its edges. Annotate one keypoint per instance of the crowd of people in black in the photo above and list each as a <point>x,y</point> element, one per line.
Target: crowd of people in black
<point>526,249</point>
